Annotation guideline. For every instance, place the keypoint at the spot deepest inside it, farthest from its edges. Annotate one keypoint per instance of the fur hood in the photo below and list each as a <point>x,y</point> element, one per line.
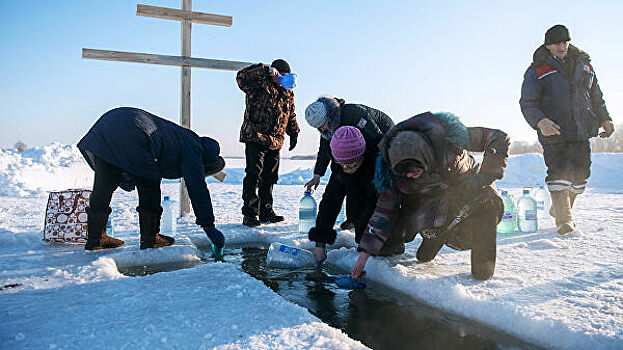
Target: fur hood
<point>442,130</point>
<point>542,54</point>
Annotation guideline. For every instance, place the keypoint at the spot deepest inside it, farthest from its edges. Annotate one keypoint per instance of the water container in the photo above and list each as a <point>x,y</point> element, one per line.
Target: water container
<point>110,230</point>
<point>167,223</point>
<point>284,256</point>
<point>543,202</point>
<point>526,205</point>
<point>508,224</point>
<point>347,282</point>
<point>307,213</point>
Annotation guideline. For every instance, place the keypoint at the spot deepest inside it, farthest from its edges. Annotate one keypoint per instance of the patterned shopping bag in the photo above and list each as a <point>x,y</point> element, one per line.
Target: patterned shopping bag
<point>66,216</point>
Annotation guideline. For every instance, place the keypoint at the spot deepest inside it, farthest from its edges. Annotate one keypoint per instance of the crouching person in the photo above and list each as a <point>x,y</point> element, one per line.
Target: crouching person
<point>131,148</point>
<point>428,183</point>
<point>356,158</point>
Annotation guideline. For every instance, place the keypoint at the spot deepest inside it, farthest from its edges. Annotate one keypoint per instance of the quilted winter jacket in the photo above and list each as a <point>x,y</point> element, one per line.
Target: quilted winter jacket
<point>574,102</point>
<point>269,112</point>
<point>433,205</point>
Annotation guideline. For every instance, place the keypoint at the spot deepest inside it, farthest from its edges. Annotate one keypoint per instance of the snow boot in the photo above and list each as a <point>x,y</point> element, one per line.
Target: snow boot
<point>250,221</point>
<point>149,222</point>
<point>561,210</point>
<point>271,217</point>
<point>347,225</point>
<point>96,231</point>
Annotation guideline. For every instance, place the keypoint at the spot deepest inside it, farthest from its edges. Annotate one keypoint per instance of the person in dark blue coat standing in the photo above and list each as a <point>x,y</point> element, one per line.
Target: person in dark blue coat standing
<point>561,99</point>
<point>131,148</point>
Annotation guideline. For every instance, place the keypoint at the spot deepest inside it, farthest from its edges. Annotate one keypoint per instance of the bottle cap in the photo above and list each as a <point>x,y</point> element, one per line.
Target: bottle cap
<point>166,198</point>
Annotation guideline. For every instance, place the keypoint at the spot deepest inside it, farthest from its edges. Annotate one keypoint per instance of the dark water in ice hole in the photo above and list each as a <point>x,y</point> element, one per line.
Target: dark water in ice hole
<point>379,317</point>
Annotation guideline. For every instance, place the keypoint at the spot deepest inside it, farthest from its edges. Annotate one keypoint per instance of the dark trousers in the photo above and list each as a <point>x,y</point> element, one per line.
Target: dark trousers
<point>568,162</point>
<point>261,174</point>
<point>107,179</point>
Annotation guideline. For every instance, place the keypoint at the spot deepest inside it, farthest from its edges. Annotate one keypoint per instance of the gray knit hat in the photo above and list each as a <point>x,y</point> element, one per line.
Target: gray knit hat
<point>316,114</point>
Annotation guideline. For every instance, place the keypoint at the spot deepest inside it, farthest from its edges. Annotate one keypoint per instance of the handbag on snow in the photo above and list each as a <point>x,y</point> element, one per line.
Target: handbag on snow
<point>66,216</point>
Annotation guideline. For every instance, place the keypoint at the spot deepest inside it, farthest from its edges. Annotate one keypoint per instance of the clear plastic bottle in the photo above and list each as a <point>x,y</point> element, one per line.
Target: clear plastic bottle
<point>307,213</point>
<point>167,223</point>
<point>508,224</point>
<point>526,205</point>
<point>285,256</point>
<point>110,230</point>
<point>543,202</point>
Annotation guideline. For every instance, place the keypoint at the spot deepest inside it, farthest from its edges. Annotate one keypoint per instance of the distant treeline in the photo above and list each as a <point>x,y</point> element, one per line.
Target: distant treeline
<point>613,144</point>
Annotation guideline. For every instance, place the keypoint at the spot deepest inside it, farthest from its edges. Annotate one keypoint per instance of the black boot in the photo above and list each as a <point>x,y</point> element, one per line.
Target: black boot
<point>271,217</point>
<point>250,221</point>
<point>149,222</point>
<point>96,236</point>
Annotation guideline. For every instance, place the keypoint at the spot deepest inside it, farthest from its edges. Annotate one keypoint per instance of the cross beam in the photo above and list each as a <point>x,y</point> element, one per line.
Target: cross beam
<point>186,17</point>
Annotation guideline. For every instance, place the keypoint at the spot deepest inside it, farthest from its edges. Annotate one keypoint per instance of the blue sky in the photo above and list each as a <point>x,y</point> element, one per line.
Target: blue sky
<point>402,57</point>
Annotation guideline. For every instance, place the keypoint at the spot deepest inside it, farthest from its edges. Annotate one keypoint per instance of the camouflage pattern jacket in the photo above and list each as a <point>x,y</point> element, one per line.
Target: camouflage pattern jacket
<point>269,112</point>
<point>432,203</point>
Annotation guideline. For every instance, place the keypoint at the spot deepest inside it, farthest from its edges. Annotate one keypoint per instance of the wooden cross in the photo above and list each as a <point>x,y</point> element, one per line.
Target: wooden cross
<point>186,17</point>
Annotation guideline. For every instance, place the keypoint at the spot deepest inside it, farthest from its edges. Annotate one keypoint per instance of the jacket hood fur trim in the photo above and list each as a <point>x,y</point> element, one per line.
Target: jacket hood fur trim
<point>542,54</point>
<point>442,130</point>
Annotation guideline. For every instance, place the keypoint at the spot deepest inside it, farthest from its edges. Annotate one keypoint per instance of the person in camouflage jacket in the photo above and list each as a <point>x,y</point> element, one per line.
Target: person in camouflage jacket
<point>428,183</point>
<point>269,114</point>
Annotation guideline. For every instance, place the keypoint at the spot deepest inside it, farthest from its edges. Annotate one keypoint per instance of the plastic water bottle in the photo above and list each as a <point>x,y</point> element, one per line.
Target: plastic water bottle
<point>307,213</point>
<point>110,230</point>
<point>285,256</point>
<point>543,202</point>
<point>167,223</point>
<point>526,206</point>
<point>347,282</point>
<point>508,224</point>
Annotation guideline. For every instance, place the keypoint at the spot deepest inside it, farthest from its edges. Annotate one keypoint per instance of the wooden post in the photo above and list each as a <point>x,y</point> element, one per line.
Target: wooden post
<point>186,16</point>
<point>187,6</point>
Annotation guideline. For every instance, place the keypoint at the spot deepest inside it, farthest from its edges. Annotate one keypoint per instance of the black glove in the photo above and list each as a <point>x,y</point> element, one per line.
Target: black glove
<point>293,140</point>
<point>215,236</point>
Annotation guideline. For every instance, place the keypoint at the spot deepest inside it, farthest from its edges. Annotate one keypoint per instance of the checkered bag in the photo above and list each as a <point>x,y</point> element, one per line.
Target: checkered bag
<point>66,216</point>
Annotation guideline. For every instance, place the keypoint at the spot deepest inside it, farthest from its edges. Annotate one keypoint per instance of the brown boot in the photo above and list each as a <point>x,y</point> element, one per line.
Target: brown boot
<point>561,208</point>
<point>149,223</point>
<point>96,236</point>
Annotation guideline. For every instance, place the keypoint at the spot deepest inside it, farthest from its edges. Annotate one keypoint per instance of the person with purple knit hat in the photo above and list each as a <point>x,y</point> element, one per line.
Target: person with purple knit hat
<point>356,159</point>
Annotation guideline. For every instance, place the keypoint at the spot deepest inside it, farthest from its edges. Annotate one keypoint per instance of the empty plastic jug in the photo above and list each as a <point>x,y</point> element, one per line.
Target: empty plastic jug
<point>285,256</point>
<point>526,205</point>
<point>167,223</point>
<point>508,224</point>
<point>543,202</point>
<point>307,213</point>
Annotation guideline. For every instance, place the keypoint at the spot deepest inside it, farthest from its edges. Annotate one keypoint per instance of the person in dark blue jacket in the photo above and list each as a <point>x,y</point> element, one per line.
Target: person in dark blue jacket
<point>129,147</point>
<point>561,99</point>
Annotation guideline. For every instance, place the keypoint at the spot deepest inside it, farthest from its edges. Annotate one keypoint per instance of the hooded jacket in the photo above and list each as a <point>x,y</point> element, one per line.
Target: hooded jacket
<point>148,146</point>
<point>447,185</point>
<point>372,123</point>
<point>570,98</point>
<point>269,112</point>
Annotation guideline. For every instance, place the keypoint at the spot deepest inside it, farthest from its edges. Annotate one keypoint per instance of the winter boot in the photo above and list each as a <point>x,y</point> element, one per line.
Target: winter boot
<point>561,208</point>
<point>96,236</point>
<point>347,225</point>
<point>149,223</point>
<point>271,217</point>
<point>250,221</point>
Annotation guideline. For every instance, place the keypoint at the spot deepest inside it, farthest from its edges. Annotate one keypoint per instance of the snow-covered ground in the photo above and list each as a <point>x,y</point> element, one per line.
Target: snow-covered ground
<point>554,291</point>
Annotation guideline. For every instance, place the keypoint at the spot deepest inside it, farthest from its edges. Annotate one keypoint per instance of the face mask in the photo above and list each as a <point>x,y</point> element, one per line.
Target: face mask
<point>288,81</point>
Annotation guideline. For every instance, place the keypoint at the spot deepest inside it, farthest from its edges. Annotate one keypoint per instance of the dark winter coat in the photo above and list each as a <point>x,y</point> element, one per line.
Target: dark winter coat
<point>573,101</point>
<point>372,123</point>
<point>147,146</point>
<point>458,177</point>
<point>269,112</point>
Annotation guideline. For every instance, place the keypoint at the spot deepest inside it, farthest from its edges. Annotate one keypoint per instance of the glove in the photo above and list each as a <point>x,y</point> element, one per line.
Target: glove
<point>215,236</point>
<point>293,140</point>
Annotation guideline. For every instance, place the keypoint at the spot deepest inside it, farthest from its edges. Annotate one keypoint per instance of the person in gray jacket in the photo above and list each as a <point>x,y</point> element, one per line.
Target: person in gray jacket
<point>562,101</point>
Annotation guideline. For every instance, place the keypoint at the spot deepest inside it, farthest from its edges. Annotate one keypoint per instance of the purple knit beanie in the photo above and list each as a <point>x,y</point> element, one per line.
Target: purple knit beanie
<point>347,144</point>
